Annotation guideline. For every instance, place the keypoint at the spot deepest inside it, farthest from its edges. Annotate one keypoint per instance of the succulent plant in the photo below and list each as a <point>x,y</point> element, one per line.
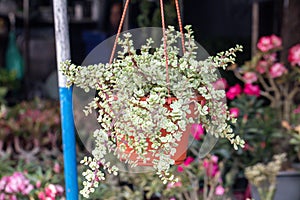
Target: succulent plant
<point>127,121</point>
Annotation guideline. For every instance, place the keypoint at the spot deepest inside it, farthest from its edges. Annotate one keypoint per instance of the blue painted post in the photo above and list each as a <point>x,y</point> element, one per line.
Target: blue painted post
<point>65,94</point>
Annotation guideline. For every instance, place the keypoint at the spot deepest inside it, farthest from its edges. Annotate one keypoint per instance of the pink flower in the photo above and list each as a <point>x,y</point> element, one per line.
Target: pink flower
<point>252,90</point>
<point>270,57</point>
<point>11,186</point>
<point>234,91</point>
<point>214,159</point>
<point>276,41</point>
<point>172,185</point>
<point>297,110</point>
<point>219,190</point>
<point>50,190</point>
<point>277,70</point>
<point>246,146</point>
<point>211,166</point>
<point>28,189</point>
<point>264,44</point>
<point>262,66</point>
<point>234,112</point>
<point>250,77</point>
<point>267,43</point>
<point>41,195</point>
<point>38,184</point>
<point>205,163</point>
<point>59,189</point>
<point>220,84</point>
<point>197,131</point>
<point>2,196</point>
<point>178,184</point>
<point>56,168</point>
<point>16,183</point>
<point>180,168</point>
<point>294,55</point>
<point>188,161</point>
<point>13,197</point>
<point>3,182</point>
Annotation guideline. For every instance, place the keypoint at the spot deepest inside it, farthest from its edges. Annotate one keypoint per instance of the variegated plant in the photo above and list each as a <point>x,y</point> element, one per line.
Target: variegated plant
<point>122,115</point>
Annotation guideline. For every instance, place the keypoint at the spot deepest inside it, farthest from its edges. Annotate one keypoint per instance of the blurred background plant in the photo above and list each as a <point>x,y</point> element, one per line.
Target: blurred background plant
<point>35,180</point>
<point>255,125</point>
<point>264,176</point>
<point>29,128</point>
<point>276,84</point>
<point>30,151</point>
<point>266,104</point>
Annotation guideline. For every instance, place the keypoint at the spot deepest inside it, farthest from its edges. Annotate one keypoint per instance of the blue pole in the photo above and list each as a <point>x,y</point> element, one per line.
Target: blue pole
<point>69,143</point>
<point>65,95</point>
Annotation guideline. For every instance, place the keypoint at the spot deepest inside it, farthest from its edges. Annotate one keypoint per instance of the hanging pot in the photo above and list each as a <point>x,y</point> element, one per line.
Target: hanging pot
<point>181,149</point>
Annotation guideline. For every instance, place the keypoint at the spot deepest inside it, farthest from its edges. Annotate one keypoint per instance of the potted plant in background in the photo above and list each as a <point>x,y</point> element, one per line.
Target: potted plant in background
<point>30,154</point>
<point>264,177</point>
<point>146,100</point>
<point>254,126</point>
<point>278,86</point>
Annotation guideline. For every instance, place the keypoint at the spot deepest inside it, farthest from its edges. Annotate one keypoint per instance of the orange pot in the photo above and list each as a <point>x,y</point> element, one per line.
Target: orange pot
<point>181,149</point>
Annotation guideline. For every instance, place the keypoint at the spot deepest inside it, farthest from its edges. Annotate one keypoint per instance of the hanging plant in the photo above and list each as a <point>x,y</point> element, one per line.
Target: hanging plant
<point>144,106</point>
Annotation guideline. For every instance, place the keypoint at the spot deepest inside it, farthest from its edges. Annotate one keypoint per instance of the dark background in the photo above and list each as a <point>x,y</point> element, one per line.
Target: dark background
<point>218,25</point>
